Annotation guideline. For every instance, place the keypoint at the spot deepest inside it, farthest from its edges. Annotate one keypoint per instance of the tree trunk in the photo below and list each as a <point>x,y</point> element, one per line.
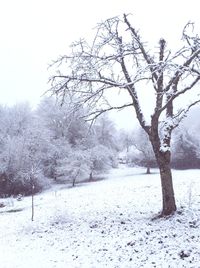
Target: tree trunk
<point>168,199</point>
<point>73,182</point>
<point>32,202</point>
<point>148,170</point>
<point>163,159</point>
<point>91,176</point>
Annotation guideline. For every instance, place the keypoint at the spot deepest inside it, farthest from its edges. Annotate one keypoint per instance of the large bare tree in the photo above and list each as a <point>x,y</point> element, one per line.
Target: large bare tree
<point>118,59</point>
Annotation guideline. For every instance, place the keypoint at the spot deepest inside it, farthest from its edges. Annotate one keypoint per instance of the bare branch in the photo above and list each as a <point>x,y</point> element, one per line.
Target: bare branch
<point>148,59</point>
<point>183,113</point>
<point>177,94</point>
<point>95,114</point>
<point>181,70</point>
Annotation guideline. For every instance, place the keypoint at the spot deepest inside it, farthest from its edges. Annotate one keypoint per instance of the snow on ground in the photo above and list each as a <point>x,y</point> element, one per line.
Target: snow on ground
<point>104,224</point>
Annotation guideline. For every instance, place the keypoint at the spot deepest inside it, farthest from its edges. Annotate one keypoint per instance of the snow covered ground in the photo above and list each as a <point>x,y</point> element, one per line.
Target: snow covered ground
<point>104,224</point>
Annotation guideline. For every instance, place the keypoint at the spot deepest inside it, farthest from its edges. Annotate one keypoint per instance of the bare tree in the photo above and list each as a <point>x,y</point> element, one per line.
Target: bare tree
<point>119,59</point>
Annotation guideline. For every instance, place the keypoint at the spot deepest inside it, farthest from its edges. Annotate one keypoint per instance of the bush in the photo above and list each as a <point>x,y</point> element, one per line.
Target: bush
<point>21,184</point>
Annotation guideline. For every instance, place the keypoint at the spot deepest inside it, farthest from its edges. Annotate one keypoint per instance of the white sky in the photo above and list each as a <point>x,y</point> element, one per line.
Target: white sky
<point>34,32</point>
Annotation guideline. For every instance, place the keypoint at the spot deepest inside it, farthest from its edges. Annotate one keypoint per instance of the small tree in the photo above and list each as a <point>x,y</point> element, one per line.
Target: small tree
<point>119,59</point>
<point>143,153</point>
<point>100,159</point>
<point>74,167</point>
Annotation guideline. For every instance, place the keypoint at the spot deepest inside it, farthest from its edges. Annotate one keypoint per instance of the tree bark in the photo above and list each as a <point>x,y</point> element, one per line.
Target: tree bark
<point>168,199</point>
<point>163,159</point>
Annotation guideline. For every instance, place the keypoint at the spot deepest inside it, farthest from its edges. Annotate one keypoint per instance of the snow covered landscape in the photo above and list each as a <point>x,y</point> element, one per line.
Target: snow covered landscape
<point>107,223</point>
<point>102,168</point>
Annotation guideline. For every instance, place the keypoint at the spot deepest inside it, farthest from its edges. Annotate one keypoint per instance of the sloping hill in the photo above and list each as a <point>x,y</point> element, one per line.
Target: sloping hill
<point>104,224</point>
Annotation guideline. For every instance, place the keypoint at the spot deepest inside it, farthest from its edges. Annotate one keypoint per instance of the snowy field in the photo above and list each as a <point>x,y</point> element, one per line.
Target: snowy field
<point>108,223</point>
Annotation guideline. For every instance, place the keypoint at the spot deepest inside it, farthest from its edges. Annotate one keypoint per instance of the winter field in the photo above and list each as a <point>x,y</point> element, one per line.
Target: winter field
<point>108,223</point>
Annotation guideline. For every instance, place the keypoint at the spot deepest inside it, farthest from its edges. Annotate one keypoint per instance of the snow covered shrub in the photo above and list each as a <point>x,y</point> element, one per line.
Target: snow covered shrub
<point>20,183</point>
<point>21,149</point>
<point>100,159</point>
<point>81,164</point>
<point>32,181</point>
<point>74,167</point>
<point>186,147</point>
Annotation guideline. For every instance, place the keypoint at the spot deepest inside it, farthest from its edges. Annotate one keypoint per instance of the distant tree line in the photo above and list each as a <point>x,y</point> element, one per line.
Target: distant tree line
<point>54,143</point>
<point>185,149</point>
<point>51,143</point>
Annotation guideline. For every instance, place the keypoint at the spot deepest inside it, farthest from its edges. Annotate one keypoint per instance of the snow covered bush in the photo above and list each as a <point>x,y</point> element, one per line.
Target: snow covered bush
<point>22,145</point>
<point>100,160</point>
<point>16,163</point>
<point>74,167</point>
<point>83,164</point>
<point>185,150</point>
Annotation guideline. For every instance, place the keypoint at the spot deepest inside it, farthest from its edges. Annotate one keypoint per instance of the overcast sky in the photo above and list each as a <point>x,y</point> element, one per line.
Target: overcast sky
<point>34,32</point>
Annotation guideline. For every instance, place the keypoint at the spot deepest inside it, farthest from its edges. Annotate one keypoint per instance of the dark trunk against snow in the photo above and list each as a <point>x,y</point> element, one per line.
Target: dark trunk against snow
<point>73,182</point>
<point>148,170</point>
<point>163,159</point>
<point>91,176</point>
<point>168,199</point>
